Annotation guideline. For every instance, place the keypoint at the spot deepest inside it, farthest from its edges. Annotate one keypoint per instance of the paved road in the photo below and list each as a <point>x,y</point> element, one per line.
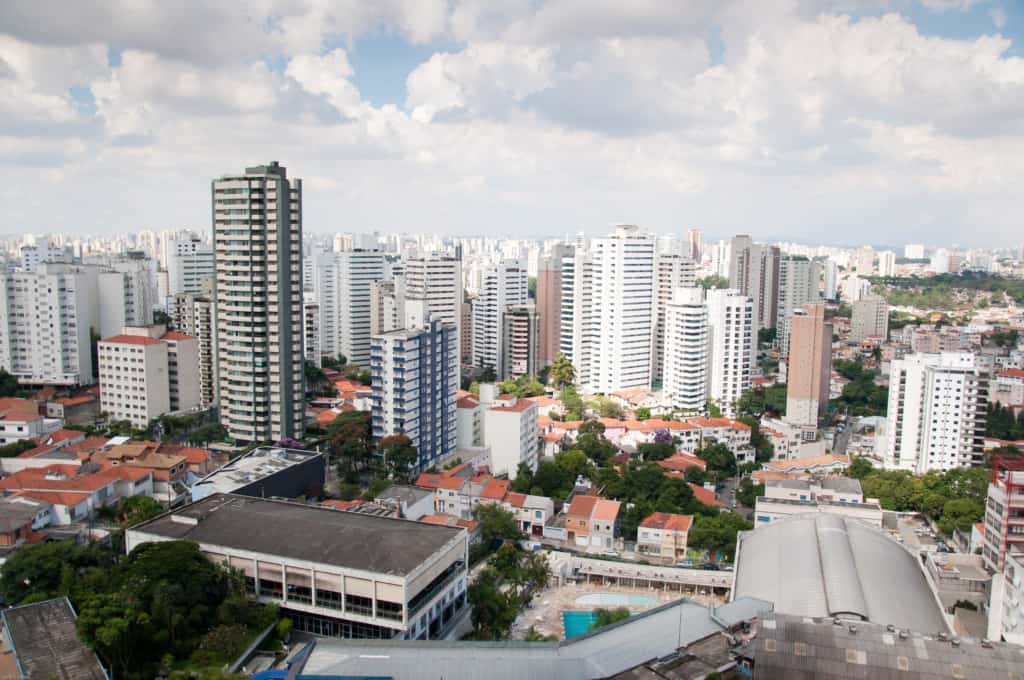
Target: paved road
<point>843,438</point>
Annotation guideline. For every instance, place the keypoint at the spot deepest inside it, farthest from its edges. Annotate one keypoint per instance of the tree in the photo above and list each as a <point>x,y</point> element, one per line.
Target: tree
<point>766,336</point>
<point>399,455</point>
<point>524,386</point>
<point>719,459</point>
<point>575,463</point>
<point>364,377</point>
<point>764,450</point>
<point>713,281</point>
<point>860,468</point>
<point>654,451</point>
<point>760,400</point>
<point>609,408</point>
<point>597,448</point>
<point>8,384</point>
<point>40,567</point>
<point>606,617</point>
<point>748,492</point>
<point>496,523</point>
<point>561,374</point>
<point>15,449</point>
<point>137,509</point>
<point>643,413</point>
<point>572,402</point>
<point>718,534</point>
<point>494,611</point>
<point>552,480</point>
<point>488,375</point>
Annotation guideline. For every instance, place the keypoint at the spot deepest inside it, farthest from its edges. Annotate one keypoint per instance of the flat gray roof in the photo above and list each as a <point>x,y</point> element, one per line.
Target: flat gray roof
<point>260,463</point>
<point>601,654</point>
<point>382,545</point>
<point>823,565</point>
<point>46,643</point>
<point>798,648</point>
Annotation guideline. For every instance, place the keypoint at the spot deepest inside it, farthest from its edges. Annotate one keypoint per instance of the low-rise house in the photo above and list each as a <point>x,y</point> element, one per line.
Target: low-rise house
<point>532,512</point>
<point>20,419</point>
<point>706,496</point>
<point>21,517</point>
<point>471,526</point>
<point>409,501</point>
<point>41,639</point>
<point>592,522</point>
<point>681,462</point>
<point>76,492</point>
<point>664,535</point>
<point>80,410</point>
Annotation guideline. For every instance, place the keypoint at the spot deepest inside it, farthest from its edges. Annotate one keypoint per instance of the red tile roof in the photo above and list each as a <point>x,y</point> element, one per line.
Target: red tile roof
<point>451,483</point>
<point>681,461</point>
<point>495,489</point>
<point>668,521</point>
<point>519,406</point>
<point>467,402</point>
<point>73,401</point>
<point>516,500</point>
<point>428,480</point>
<point>1011,373</point>
<point>341,505</point>
<point>130,340</point>
<point>451,521</point>
<point>605,510</point>
<point>66,498</point>
<point>18,409</point>
<point>582,506</point>
<point>62,435</point>
<point>706,497</point>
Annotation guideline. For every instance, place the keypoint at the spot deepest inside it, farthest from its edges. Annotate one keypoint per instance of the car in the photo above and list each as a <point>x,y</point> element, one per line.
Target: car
<point>685,564</point>
<point>610,553</point>
<point>710,566</point>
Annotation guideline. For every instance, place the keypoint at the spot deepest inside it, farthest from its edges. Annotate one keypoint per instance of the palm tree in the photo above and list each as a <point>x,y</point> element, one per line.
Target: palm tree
<point>561,372</point>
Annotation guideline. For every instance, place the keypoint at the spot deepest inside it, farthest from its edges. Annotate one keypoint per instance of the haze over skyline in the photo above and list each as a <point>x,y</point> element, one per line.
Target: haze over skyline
<point>828,121</point>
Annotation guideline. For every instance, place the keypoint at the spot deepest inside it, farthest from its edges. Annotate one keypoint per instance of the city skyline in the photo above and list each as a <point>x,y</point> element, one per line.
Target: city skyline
<point>520,121</point>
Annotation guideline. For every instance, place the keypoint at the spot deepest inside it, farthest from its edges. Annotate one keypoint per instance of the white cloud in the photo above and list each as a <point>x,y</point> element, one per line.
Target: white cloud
<point>558,115</point>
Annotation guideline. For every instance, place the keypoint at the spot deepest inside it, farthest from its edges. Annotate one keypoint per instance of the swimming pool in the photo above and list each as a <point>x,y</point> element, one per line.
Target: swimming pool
<point>577,623</point>
<point>615,600</point>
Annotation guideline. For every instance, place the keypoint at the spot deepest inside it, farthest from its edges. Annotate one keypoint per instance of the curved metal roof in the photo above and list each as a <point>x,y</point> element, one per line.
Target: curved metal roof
<point>822,565</point>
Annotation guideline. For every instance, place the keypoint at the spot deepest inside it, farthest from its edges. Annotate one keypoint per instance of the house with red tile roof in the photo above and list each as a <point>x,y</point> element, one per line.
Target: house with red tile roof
<point>78,410</point>
<point>664,535</point>
<point>592,522</point>
<point>680,462</point>
<point>20,419</point>
<point>471,526</point>
<point>706,496</point>
<point>76,494</point>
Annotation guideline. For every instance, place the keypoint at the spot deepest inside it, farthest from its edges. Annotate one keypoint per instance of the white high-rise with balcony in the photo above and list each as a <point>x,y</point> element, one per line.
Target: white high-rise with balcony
<point>45,322</point>
<point>686,349</point>
<point>357,270</point>
<point>438,280</point>
<point>257,226</point>
<point>937,405</point>
<point>673,271</point>
<point>502,285</point>
<point>798,286</point>
<point>731,325</point>
<point>621,314</point>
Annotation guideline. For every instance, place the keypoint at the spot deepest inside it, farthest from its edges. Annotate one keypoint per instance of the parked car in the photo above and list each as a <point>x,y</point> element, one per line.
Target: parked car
<point>685,564</point>
<point>710,566</point>
<point>610,553</point>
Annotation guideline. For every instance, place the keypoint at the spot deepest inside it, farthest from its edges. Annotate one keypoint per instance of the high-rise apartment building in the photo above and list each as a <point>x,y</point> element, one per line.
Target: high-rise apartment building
<point>324,289</point>
<point>799,280</point>
<point>1004,517</point>
<point>886,263</point>
<point>865,261</point>
<point>127,293</point>
<point>190,266</point>
<point>687,360</point>
<point>732,339</point>
<point>936,414</point>
<point>621,311</point>
<point>830,280</point>
<point>754,272</point>
<point>194,316</point>
<point>311,332</point>
<point>46,320</point>
<point>466,341</point>
<point>502,285</point>
<point>870,318</point>
<point>357,270</point>
<point>146,372</point>
<point>809,369</point>
<point>438,280</point>
<point>520,331</point>
<point>913,251</point>
<point>257,227</point>
<point>387,305</point>
<point>415,377</point>
<point>695,241</point>
<point>549,302</point>
<point>576,306</point>
<point>673,271</point>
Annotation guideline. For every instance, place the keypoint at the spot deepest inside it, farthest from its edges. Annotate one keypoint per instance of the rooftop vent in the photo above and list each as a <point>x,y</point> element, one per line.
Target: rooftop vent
<point>853,629</point>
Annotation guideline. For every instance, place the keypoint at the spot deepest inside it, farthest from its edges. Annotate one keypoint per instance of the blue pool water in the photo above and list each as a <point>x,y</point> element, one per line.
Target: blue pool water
<point>577,623</point>
<point>615,600</point>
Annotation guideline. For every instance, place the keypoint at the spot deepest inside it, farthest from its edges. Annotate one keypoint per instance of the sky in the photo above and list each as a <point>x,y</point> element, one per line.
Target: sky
<point>824,121</point>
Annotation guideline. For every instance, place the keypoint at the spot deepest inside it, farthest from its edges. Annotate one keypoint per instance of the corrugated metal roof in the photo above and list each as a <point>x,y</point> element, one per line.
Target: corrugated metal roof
<point>819,565</point>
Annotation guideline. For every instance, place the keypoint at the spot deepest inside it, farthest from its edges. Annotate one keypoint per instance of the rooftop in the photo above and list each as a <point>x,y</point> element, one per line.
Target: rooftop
<point>17,511</point>
<point>796,648</point>
<point>130,340</point>
<point>667,520</point>
<point>653,634</point>
<point>304,532</point>
<point>824,565</point>
<point>258,464</point>
<point>46,644</point>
